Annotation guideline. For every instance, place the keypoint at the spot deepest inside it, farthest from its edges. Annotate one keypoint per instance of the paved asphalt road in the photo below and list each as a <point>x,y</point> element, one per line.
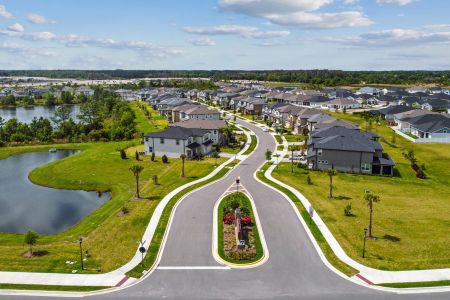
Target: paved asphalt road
<point>293,271</point>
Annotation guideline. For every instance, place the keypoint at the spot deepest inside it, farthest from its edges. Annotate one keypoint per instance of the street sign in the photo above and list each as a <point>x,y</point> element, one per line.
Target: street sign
<point>142,249</point>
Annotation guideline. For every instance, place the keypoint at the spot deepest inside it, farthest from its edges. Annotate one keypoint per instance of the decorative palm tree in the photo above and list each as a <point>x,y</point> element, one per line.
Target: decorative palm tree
<point>331,172</point>
<point>136,170</point>
<point>370,199</point>
<point>183,157</point>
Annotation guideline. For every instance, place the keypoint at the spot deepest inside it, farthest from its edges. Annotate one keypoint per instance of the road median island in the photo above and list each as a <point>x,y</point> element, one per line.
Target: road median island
<point>238,239</point>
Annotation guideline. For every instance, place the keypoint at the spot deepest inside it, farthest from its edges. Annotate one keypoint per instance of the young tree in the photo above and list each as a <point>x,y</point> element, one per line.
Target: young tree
<point>183,157</point>
<point>136,170</point>
<point>31,239</point>
<point>293,149</point>
<point>371,198</point>
<point>215,155</point>
<point>331,173</point>
<point>268,154</point>
<point>136,154</point>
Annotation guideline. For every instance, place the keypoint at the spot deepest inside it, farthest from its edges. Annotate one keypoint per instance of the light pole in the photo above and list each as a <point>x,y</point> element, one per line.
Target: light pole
<point>238,180</point>
<point>364,247</point>
<point>81,253</point>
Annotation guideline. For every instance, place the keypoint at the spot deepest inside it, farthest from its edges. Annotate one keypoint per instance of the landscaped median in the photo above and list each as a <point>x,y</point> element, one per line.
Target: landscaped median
<point>237,239</point>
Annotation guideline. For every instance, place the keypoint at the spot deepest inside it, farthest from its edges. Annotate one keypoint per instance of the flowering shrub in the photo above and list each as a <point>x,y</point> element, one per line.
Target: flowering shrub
<point>228,219</point>
<point>246,221</point>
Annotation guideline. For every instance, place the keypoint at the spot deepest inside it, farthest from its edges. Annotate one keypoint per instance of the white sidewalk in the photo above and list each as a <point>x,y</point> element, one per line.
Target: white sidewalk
<point>369,275</point>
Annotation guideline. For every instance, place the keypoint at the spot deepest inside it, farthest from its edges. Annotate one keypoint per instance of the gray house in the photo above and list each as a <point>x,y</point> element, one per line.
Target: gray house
<point>175,141</point>
<point>348,150</point>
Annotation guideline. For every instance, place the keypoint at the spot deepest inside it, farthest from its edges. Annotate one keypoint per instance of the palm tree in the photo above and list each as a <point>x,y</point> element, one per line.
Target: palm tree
<point>331,172</point>
<point>370,199</point>
<point>136,169</point>
<point>31,239</point>
<point>183,157</point>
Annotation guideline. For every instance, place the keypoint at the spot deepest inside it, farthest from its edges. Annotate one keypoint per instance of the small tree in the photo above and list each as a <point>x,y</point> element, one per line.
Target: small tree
<point>308,180</point>
<point>293,149</point>
<point>371,198</point>
<point>394,137</point>
<point>165,159</point>
<point>155,179</point>
<point>268,154</point>
<point>215,155</point>
<point>331,173</point>
<point>183,157</point>
<point>153,156</point>
<point>31,239</point>
<point>348,210</point>
<point>123,154</point>
<point>136,170</point>
<point>137,156</point>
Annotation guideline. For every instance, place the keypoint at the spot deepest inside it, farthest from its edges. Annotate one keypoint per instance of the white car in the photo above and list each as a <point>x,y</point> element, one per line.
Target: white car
<point>265,129</point>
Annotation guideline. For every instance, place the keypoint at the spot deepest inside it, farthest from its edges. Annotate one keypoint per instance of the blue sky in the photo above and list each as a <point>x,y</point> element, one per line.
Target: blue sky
<point>225,34</point>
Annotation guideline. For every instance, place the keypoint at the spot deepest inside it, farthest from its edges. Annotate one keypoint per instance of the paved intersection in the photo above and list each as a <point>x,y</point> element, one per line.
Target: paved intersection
<point>293,271</point>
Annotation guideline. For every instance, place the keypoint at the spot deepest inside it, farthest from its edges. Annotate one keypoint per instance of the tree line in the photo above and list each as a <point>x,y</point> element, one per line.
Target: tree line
<point>311,77</point>
<point>103,117</point>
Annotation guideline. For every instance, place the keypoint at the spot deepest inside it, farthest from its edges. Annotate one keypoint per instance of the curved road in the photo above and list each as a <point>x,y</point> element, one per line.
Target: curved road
<point>293,270</point>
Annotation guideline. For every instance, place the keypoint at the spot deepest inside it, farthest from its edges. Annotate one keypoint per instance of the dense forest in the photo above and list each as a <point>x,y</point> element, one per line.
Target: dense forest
<point>314,77</point>
<point>102,117</point>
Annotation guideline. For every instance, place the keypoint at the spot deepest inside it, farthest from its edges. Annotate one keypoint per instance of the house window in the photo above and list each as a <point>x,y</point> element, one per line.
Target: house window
<point>365,167</point>
<point>150,149</point>
<point>215,131</point>
<point>146,139</point>
<point>177,141</point>
<point>319,152</point>
<point>161,141</point>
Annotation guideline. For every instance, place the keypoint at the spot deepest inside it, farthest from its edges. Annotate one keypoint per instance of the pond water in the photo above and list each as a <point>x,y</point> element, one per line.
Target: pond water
<point>27,206</point>
<point>26,114</point>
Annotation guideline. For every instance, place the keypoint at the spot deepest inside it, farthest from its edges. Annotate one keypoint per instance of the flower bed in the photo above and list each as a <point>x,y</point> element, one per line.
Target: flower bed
<point>228,243</point>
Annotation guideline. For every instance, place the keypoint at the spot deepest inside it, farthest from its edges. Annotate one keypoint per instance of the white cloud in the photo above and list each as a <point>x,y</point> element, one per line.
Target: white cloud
<point>16,27</point>
<point>393,38</point>
<point>299,13</point>
<point>38,19</point>
<point>395,2</point>
<point>350,2</point>
<point>4,13</point>
<point>22,49</point>
<point>202,42</point>
<point>243,31</point>
<point>34,36</point>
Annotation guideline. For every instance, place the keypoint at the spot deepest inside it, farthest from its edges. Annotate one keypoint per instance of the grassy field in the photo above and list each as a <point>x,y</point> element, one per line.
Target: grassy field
<point>109,237</point>
<point>278,139</point>
<point>244,202</point>
<point>252,146</point>
<point>326,249</point>
<point>156,123</point>
<point>411,222</point>
<point>416,284</point>
<point>294,138</point>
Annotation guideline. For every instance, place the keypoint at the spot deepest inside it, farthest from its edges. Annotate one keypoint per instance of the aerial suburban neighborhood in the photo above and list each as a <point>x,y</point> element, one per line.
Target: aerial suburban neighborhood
<point>287,150</point>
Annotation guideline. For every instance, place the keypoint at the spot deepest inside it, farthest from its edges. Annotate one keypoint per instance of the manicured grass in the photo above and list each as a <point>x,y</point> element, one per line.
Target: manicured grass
<point>109,237</point>
<point>38,287</point>
<point>280,148</point>
<point>326,249</point>
<point>294,138</point>
<point>252,146</point>
<point>411,222</point>
<point>416,284</point>
<point>245,202</point>
<point>278,139</point>
<point>152,252</point>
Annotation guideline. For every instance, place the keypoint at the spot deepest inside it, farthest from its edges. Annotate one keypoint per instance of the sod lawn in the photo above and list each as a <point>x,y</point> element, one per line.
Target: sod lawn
<point>412,220</point>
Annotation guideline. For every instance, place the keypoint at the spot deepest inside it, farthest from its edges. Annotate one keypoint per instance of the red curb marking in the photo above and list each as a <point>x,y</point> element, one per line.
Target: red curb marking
<point>364,279</point>
<point>122,281</point>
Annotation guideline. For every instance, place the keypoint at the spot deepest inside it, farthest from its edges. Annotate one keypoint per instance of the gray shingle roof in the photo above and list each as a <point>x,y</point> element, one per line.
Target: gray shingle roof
<point>177,133</point>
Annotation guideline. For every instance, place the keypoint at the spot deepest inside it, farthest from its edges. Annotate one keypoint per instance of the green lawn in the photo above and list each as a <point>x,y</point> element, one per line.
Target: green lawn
<point>252,146</point>
<point>278,139</point>
<point>144,125</point>
<point>110,238</point>
<point>416,284</point>
<point>294,138</point>
<point>411,222</point>
<point>244,202</point>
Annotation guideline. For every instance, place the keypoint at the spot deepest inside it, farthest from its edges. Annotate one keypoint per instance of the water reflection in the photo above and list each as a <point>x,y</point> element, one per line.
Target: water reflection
<point>26,114</point>
<point>24,205</point>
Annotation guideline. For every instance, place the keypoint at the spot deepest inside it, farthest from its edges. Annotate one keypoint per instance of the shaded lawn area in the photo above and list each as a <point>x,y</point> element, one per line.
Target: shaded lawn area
<point>110,238</point>
<point>412,220</point>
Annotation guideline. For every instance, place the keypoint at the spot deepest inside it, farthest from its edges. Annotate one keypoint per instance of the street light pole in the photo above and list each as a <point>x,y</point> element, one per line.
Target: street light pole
<point>364,247</point>
<point>81,253</point>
